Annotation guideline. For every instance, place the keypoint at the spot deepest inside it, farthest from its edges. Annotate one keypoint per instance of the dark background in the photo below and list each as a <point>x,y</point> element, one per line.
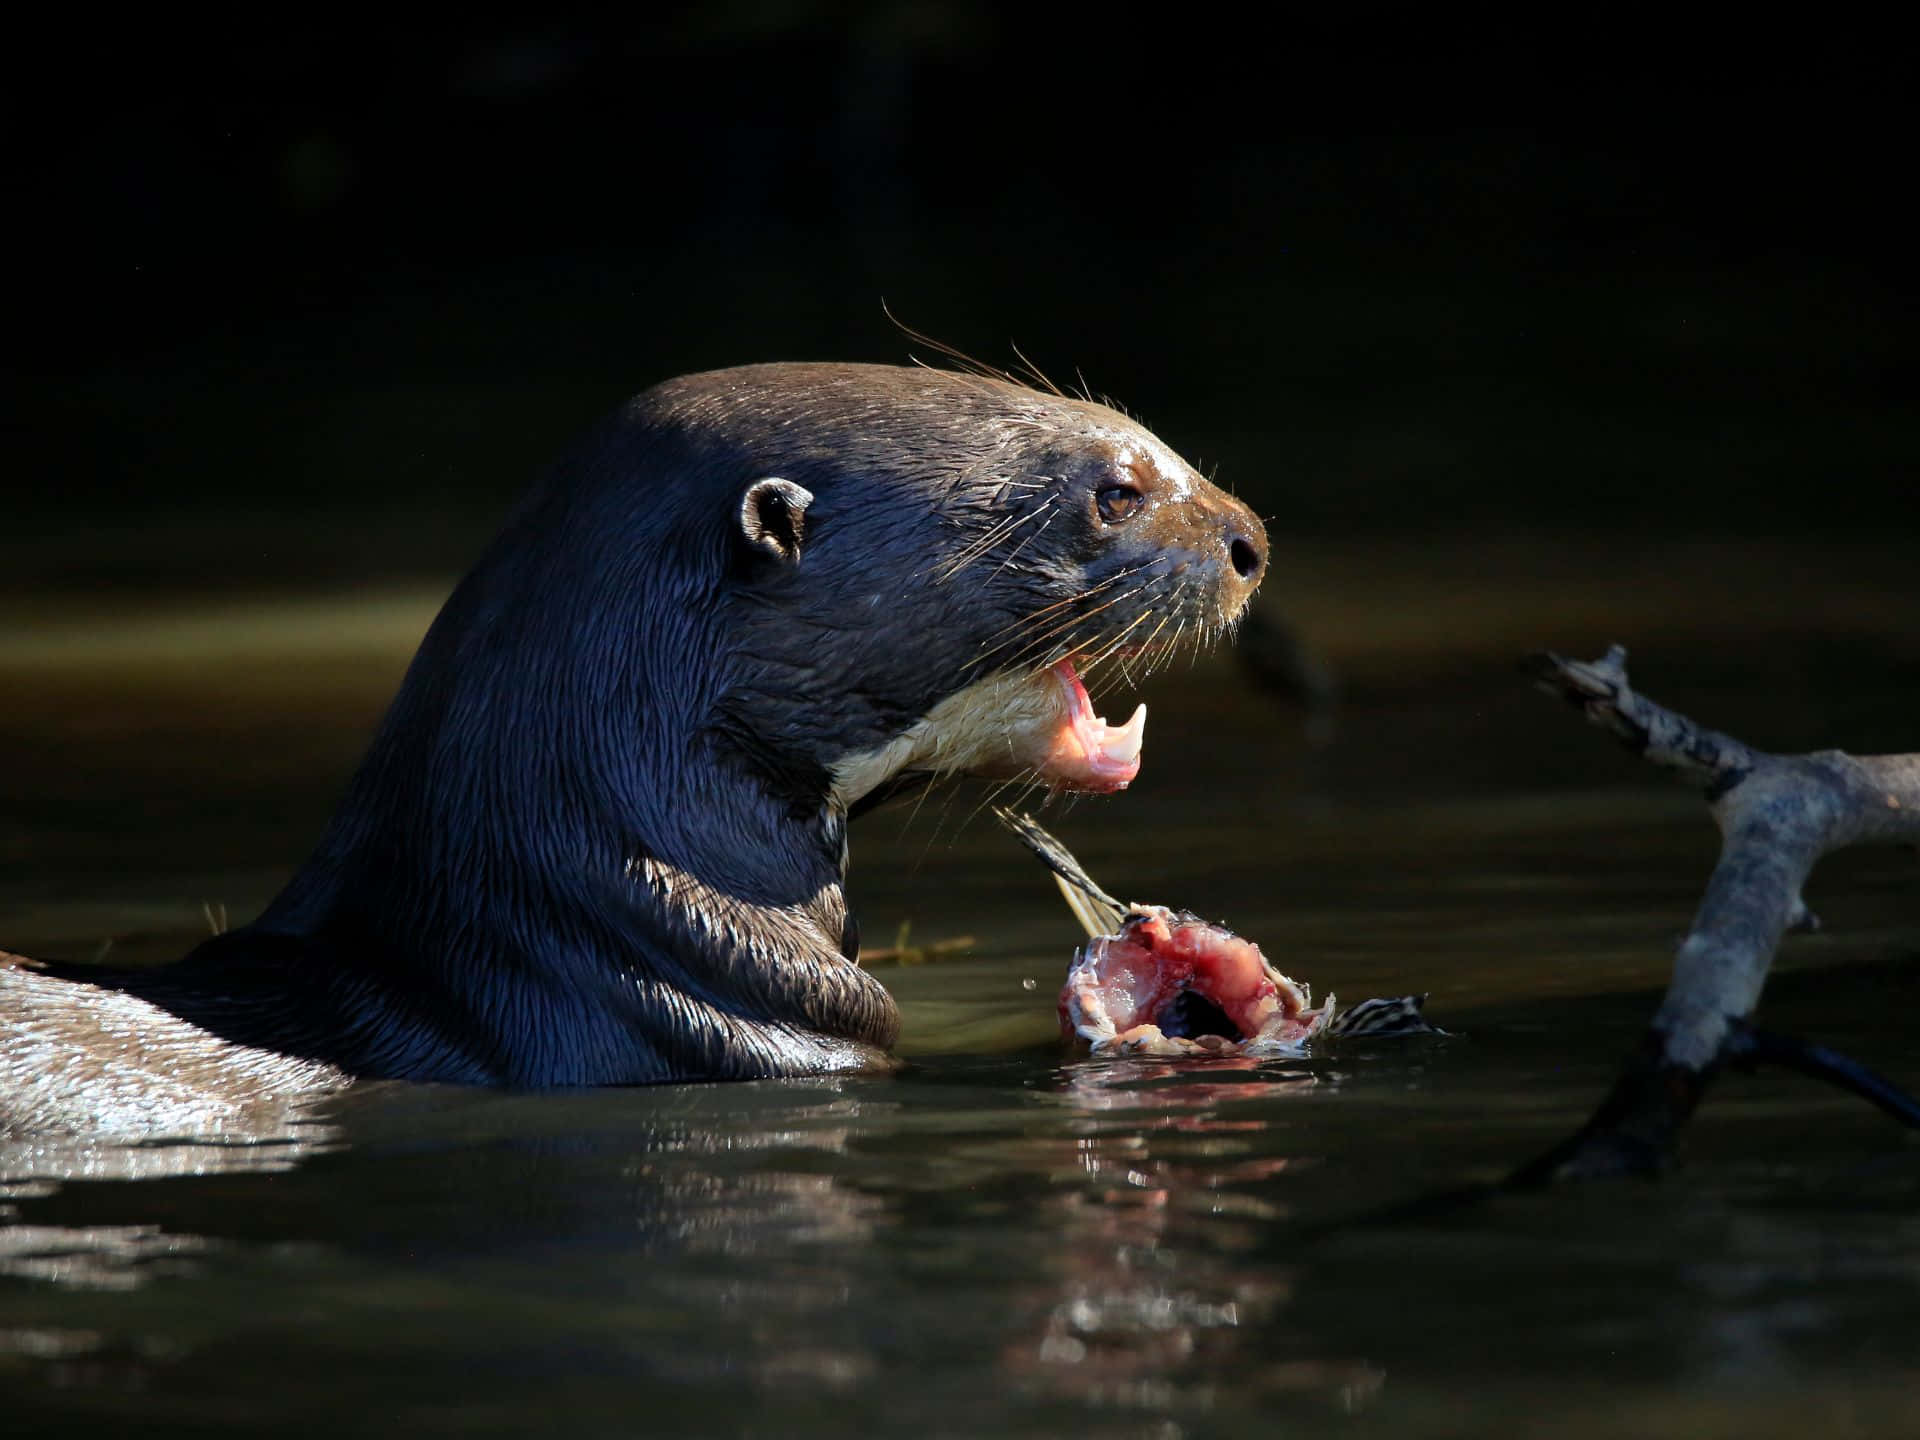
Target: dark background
<point>307,298</point>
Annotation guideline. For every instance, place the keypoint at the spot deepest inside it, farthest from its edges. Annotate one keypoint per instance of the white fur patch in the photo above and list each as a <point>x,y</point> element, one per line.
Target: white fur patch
<point>997,727</point>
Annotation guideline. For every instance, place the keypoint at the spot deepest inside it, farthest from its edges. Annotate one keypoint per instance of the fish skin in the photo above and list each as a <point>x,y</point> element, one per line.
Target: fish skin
<point>1132,944</point>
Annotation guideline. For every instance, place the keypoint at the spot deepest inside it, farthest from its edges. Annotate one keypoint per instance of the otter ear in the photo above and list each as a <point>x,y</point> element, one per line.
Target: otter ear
<point>773,517</point>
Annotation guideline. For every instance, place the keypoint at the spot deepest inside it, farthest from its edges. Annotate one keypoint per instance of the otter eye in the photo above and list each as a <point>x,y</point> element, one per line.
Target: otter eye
<point>1119,502</point>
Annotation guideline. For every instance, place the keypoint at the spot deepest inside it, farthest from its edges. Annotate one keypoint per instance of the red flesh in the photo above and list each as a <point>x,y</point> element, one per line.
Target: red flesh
<point>1127,981</point>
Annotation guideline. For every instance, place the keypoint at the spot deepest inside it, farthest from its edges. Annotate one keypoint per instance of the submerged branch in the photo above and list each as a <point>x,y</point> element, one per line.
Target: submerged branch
<point>1778,814</point>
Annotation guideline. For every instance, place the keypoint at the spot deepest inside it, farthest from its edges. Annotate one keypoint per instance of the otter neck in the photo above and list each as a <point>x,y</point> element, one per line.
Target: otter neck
<point>645,959</point>
<point>773,980</point>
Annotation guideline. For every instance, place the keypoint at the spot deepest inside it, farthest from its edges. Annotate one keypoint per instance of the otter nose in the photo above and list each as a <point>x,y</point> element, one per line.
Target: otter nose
<point>1245,539</point>
<point>1246,558</point>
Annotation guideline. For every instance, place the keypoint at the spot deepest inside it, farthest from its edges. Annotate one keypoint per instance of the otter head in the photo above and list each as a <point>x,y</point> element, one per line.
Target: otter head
<point>600,836</point>
<point>932,567</point>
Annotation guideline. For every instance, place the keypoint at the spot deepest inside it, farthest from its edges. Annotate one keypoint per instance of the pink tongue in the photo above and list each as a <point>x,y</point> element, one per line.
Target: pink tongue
<point>1086,753</point>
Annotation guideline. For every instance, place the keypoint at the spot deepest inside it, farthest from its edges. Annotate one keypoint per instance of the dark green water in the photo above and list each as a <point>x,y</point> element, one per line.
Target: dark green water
<point>1001,1242</point>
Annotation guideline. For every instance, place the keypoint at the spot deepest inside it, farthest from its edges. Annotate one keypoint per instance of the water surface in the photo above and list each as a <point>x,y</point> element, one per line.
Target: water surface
<point>1002,1241</point>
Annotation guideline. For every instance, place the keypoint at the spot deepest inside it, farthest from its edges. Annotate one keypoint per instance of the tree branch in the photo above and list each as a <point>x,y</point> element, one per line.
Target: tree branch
<point>1778,814</point>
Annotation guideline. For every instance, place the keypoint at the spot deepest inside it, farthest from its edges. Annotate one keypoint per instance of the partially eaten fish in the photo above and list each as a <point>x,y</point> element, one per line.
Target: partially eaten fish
<point>1154,981</point>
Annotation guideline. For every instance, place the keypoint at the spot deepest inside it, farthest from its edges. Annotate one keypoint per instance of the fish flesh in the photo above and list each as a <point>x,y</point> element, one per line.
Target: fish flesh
<point>1156,981</point>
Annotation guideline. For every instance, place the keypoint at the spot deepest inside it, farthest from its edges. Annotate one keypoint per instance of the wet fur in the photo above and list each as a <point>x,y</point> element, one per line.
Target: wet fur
<point>595,840</point>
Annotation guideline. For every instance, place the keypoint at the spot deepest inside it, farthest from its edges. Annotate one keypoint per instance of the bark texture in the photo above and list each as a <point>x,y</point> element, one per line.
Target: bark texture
<point>1778,814</point>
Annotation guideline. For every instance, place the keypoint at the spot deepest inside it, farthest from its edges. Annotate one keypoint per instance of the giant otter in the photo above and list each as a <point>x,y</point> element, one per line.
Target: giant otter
<point>600,837</point>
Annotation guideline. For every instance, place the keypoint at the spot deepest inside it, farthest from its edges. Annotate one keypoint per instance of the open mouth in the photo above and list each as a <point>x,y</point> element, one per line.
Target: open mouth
<point>1172,984</point>
<point>1085,752</point>
<point>1018,725</point>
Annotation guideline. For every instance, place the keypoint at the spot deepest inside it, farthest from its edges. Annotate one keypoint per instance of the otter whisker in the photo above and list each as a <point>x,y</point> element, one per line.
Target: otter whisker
<point>1033,624</point>
<point>1156,654</point>
<point>1037,373</point>
<point>1046,653</point>
<point>1014,554</point>
<point>1177,641</point>
<point>1007,482</point>
<point>1087,615</point>
<point>1201,641</point>
<point>1035,615</point>
<point>1017,648</point>
<point>1035,785</point>
<point>1173,649</point>
<point>961,562</point>
<point>1094,677</point>
<point>994,792</point>
<point>1144,654</point>
<point>1088,665</point>
<point>993,537</point>
<point>921,799</point>
<point>1091,593</point>
<point>1000,530</point>
<point>1028,783</point>
<point>1146,648</point>
<point>1019,656</point>
<point>947,794</point>
<point>1011,521</point>
<point>968,365</point>
<point>1126,670</point>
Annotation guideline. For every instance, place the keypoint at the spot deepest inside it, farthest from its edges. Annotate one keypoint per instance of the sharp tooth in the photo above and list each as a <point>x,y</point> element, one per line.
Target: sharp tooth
<point>1123,744</point>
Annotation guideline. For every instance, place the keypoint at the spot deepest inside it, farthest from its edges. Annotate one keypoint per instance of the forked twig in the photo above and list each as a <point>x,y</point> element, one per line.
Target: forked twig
<point>1778,814</point>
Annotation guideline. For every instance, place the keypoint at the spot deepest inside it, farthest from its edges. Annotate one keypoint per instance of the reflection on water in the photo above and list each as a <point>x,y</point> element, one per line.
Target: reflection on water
<point>272,1135</point>
<point>104,1257</point>
<point>1000,1242</point>
<point>1006,1244</point>
<point>1138,1319</point>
